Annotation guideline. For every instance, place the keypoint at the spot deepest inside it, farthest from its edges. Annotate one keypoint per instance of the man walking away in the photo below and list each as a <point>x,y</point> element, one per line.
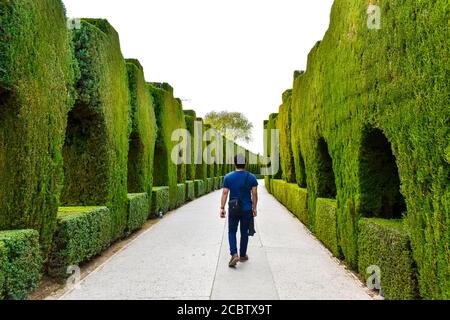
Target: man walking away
<point>241,186</point>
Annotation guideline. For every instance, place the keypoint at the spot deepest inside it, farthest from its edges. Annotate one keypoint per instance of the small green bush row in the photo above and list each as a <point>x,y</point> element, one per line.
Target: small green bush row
<point>138,211</point>
<point>190,190</point>
<point>82,233</point>
<point>181,195</point>
<point>199,188</point>
<point>209,185</point>
<point>293,197</point>
<point>326,224</point>
<point>160,200</point>
<point>20,263</point>
<point>385,243</point>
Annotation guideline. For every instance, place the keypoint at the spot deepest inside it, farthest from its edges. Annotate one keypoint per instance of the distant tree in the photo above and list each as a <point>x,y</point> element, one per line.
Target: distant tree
<point>233,125</point>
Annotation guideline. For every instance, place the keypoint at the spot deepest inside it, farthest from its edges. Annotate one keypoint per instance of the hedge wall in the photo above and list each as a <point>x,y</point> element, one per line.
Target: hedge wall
<point>190,118</point>
<point>36,76</point>
<point>294,198</point>
<point>326,224</point>
<point>284,126</point>
<point>386,244</point>
<point>370,125</point>
<point>20,263</point>
<point>138,211</point>
<point>201,170</point>
<point>181,196</point>
<point>160,200</point>
<point>82,233</point>
<point>96,146</point>
<point>143,133</point>
<point>170,117</point>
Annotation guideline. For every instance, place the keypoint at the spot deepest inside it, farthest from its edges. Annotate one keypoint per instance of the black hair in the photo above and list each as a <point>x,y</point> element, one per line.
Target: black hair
<point>240,161</point>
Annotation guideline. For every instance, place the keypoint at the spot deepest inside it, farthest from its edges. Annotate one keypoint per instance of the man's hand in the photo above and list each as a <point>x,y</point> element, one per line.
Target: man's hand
<point>255,212</point>
<point>223,213</point>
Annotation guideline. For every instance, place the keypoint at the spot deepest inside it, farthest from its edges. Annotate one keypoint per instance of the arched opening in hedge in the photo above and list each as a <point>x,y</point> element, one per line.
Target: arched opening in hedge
<point>85,155</point>
<point>301,171</point>
<point>326,179</point>
<point>378,177</point>
<point>135,155</point>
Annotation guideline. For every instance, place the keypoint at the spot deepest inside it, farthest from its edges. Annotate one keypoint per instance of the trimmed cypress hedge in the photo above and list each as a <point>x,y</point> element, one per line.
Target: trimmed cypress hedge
<point>20,263</point>
<point>209,184</point>
<point>361,131</point>
<point>216,183</point>
<point>143,133</point>
<point>199,188</point>
<point>160,200</point>
<point>190,118</point>
<point>181,197</point>
<point>190,190</point>
<point>138,211</point>
<point>170,117</point>
<point>82,233</point>
<point>385,243</point>
<point>284,126</point>
<point>36,81</point>
<point>201,170</point>
<point>96,146</point>
<point>326,224</point>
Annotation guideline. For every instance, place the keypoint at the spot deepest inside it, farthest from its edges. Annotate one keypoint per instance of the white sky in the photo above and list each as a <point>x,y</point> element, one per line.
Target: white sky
<point>235,55</point>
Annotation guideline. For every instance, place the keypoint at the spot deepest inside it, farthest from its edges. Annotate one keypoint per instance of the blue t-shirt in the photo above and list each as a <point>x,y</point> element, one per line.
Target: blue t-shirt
<point>235,182</point>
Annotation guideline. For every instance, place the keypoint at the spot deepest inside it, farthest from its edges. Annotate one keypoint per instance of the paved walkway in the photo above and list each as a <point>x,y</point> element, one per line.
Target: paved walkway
<point>185,256</point>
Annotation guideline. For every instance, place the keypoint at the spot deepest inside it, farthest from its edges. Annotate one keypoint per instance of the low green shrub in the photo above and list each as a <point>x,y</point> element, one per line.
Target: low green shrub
<point>181,194</point>
<point>82,233</point>
<point>326,224</point>
<point>138,211</point>
<point>190,190</point>
<point>209,185</point>
<point>216,183</point>
<point>160,200</point>
<point>385,243</point>
<point>20,263</point>
<point>199,188</point>
<point>294,198</point>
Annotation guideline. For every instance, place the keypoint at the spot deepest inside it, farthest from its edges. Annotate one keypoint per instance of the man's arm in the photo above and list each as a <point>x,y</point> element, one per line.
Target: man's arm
<point>255,201</point>
<point>223,201</point>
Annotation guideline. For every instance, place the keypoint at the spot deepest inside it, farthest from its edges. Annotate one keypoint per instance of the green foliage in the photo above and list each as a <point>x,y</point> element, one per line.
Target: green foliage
<point>233,125</point>
<point>138,211</point>
<point>143,134</point>
<point>385,243</point>
<point>190,118</point>
<point>20,263</point>
<point>394,80</point>
<point>201,170</point>
<point>284,126</point>
<point>190,190</point>
<point>36,77</point>
<point>181,196</point>
<point>294,198</point>
<point>169,117</point>
<point>160,200</point>
<point>326,224</point>
<point>216,183</point>
<point>96,146</point>
<point>209,185</point>
<point>200,189</point>
<point>82,233</point>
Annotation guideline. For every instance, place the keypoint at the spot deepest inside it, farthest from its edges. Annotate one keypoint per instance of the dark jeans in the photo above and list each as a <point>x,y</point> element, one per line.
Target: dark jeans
<point>233,223</point>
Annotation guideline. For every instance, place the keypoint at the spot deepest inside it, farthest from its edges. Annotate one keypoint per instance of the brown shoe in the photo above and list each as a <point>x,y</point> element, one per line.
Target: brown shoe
<point>243,259</point>
<point>233,262</point>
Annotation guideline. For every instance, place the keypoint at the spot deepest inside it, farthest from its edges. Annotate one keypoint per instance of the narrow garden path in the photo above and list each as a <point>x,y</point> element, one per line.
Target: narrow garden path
<point>185,256</point>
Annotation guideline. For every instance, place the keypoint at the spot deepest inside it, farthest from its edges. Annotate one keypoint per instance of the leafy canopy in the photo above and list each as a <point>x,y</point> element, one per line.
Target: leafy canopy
<point>233,125</point>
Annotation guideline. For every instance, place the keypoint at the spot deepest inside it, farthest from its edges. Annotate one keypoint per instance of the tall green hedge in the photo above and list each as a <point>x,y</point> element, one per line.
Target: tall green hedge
<point>170,117</point>
<point>368,93</point>
<point>190,118</point>
<point>143,134</point>
<point>36,77</point>
<point>20,263</point>
<point>284,126</point>
<point>201,170</point>
<point>385,243</point>
<point>96,146</point>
